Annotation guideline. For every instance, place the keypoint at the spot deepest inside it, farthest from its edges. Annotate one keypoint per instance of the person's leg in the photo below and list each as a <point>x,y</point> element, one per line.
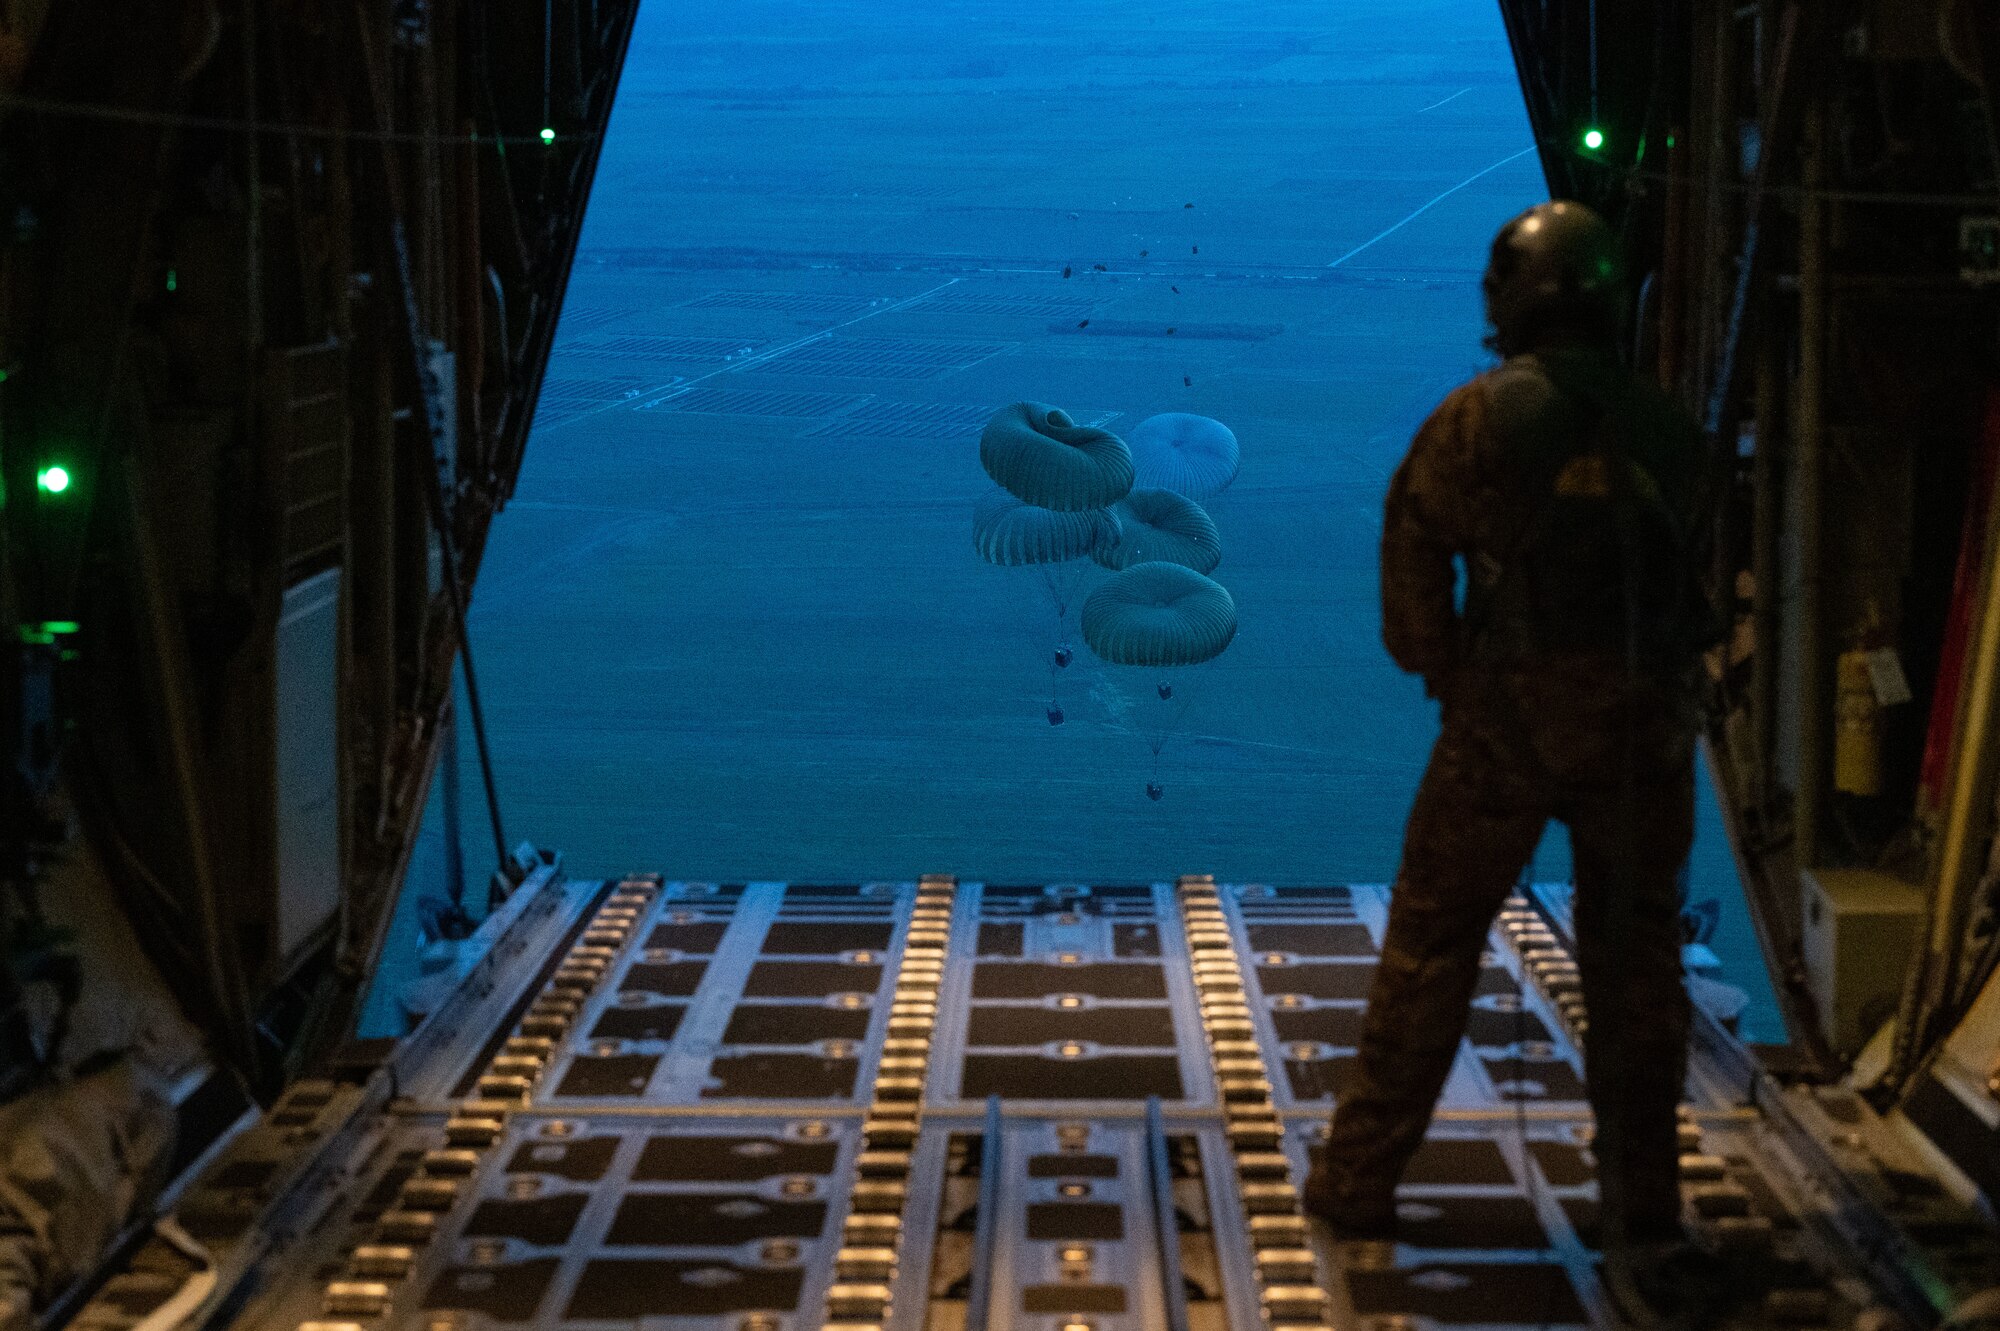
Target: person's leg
<point>1629,843</point>
<point>1470,832</point>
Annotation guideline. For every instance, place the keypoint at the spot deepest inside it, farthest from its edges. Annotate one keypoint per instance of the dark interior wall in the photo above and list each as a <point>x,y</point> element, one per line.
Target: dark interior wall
<point>276,290</point>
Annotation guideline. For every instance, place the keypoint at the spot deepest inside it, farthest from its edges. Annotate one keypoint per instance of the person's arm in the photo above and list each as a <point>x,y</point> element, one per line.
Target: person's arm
<point>1423,526</point>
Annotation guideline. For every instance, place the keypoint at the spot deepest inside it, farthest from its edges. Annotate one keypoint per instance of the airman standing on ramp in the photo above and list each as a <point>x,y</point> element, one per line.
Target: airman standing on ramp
<point>1571,489</point>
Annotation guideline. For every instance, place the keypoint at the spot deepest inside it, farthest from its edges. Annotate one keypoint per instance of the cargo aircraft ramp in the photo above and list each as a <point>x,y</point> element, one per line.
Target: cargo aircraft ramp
<point>781,1106</point>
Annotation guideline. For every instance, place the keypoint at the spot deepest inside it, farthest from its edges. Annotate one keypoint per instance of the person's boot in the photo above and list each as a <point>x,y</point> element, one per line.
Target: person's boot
<point>1352,1215</point>
<point>1670,1284</point>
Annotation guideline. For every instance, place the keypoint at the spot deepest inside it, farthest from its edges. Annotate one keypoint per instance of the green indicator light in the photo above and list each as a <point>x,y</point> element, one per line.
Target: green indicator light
<point>1593,139</point>
<point>548,135</point>
<point>57,626</point>
<point>52,480</point>
<point>1670,140</point>
<point>173,279</point>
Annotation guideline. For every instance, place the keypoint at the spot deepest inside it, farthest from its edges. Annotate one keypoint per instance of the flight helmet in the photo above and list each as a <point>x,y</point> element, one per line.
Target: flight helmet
<point>1556,266</point>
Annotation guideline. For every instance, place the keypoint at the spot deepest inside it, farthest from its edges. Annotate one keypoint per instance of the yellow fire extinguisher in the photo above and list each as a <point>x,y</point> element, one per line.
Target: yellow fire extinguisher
<point>1857,726</point>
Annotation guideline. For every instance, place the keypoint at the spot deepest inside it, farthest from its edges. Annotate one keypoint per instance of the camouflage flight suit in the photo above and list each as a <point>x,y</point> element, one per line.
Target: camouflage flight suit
<point>1526,737</point>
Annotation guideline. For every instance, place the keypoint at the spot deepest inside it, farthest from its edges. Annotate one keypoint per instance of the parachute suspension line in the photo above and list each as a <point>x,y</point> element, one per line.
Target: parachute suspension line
<point>1044,637</point>
<point>1063,582</point>
<point>1059,595</point>
<point>1172,725</point>
<point>1155,787</point>
<point>1058,592</point>
<point>1079,574</point>
<point>1056,649</point>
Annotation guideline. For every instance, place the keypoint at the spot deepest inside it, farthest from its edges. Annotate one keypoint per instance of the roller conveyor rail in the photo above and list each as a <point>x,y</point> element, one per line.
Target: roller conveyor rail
<point>943,1105</point>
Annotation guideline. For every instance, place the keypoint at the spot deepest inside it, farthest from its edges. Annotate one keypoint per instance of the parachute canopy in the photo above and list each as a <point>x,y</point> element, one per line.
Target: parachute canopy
<point>1159,614</point>
<point>1190,455</point>
<point>1159,525</point>
<point>1042,457</point>
<point>1010,533</point>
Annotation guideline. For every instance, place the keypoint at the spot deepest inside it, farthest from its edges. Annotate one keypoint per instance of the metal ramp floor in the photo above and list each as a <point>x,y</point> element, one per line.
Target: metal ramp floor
<point>939,1106</point>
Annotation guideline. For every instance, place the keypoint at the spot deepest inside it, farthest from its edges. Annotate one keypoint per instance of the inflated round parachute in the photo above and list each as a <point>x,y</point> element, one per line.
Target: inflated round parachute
<point>1159,615</point>
<point>1159,525</point>
<point>1010,533</point>
<point>1042,457</point>
<point>1190,455</point>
